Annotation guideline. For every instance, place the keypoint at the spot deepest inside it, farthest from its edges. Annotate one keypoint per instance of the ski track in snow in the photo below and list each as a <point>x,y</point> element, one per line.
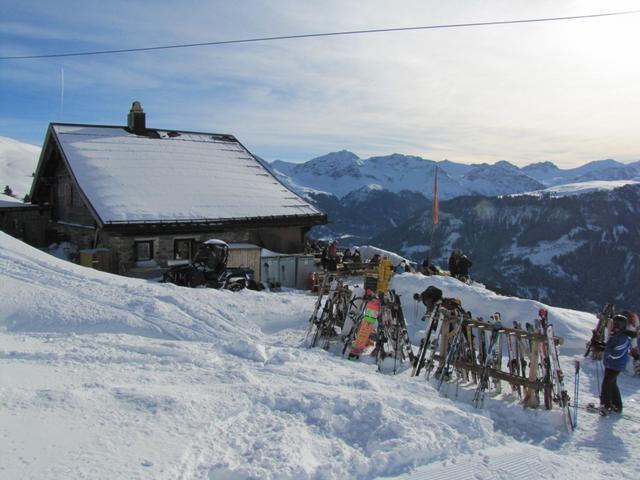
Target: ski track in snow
<point>108,377</point>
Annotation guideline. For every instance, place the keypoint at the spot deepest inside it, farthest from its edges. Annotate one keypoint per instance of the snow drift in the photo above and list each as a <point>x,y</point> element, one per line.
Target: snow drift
<point>110,377</point>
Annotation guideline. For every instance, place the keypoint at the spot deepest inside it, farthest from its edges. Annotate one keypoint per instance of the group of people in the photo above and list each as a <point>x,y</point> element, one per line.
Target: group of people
<point>330,257</point>
<point>459,265</point>
<point>623,328</point>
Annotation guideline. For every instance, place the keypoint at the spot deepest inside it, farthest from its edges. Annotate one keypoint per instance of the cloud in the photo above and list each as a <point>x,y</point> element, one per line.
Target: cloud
<point>565,92</point>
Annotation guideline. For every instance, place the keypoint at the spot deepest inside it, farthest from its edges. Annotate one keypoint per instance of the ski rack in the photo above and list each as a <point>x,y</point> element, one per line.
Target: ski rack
<point>530,345</point>
<point>338,315</point>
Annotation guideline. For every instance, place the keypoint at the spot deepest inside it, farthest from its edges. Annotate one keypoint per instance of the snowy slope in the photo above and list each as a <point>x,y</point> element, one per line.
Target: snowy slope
<point>17,162</point>
<point>109,377</point>
<point>582,187</point>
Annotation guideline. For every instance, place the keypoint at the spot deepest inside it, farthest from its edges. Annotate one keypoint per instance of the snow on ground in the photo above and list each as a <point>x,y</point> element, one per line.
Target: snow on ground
<point>108,377</point>
<point>581,187</point>
<point>543,253</point>
<point>17,162</point>
<point>368,251</point>
<point>7,201</point>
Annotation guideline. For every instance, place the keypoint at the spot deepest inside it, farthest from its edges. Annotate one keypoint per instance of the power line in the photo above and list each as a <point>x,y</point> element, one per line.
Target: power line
<point>326,34</point>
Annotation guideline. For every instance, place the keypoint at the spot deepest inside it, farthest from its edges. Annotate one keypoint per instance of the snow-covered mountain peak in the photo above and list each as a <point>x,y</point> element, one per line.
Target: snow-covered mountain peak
<point>505,165</point>
<point>335,160</point>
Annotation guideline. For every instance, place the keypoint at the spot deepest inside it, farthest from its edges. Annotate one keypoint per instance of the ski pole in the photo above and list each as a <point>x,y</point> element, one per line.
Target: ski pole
<point>575,394</point>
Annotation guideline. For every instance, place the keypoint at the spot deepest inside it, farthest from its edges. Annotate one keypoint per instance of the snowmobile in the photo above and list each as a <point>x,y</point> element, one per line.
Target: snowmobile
<point>209,268</point>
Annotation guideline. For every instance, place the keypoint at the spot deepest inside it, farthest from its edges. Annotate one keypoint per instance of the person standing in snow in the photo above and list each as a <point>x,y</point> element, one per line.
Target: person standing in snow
<point>427,268</point>
<point>332,256</point>
<point>634,326</point>
<point>324,257</point>
<point>453,263</point>
<point>616,356</point>
<point>463,265</point>
<point>459,265</point>
<point>400,268</point>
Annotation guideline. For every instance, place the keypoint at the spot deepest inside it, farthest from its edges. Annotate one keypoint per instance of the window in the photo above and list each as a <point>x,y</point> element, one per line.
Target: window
<point>183,248</point>
<point>144,250</point>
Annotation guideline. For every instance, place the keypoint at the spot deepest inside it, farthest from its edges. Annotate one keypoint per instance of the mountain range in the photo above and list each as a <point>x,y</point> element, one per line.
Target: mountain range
<point>566,236</point>
<point>577,251</point>
<point>341,173</point>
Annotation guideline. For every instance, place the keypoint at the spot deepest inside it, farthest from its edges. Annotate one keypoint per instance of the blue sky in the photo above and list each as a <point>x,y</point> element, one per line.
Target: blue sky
<point>566,92</point>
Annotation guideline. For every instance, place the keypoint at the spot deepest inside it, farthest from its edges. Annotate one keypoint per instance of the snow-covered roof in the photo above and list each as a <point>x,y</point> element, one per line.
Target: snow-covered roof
<point>215,241</point>
<point>243,246</point>
<point>169,176</point>
<point>10,202</point>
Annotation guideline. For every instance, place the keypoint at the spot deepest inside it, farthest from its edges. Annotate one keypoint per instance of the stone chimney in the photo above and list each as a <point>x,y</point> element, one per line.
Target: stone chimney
<point>136,119</point>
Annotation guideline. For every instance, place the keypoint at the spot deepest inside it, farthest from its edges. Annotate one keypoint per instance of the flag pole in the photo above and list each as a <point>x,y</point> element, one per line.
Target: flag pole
<point>435,211</point>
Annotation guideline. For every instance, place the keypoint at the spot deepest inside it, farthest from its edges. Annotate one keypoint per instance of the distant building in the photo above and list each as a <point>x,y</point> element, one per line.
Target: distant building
<point>150,196</point>
<point>25,221</point>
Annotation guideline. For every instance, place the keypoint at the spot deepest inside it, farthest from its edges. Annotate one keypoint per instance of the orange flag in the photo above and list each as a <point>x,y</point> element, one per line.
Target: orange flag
<point>436,203</point>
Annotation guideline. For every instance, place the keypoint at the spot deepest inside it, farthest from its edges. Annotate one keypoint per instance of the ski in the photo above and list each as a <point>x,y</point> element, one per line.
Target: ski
<point>598,333</point>
<point>313,319</point>
<point>576,392</point>
<point>452,352</point>
<point>483,382</point>
<point>419,360</point>
<point>560,394</point>
<point>497,354</point>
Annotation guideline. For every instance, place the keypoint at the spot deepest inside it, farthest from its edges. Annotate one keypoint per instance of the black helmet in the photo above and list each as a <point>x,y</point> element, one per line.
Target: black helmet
<point>620,323</point>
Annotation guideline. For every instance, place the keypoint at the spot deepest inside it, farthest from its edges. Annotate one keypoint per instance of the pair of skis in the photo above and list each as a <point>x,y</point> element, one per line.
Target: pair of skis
<point>432,317</point>
<point>598,333</point>
<point>560,394</point>
<point>487,364</point>
<point>455,349</point>
<point>333,314</point>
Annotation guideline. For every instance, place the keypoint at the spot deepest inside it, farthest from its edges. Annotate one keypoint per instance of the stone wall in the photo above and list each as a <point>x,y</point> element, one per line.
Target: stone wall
<point>285,240</point>
<point>123,246</point>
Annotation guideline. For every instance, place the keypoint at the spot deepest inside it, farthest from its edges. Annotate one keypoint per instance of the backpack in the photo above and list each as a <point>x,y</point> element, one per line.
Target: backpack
<point>431,295</point>
<point>452,304</point>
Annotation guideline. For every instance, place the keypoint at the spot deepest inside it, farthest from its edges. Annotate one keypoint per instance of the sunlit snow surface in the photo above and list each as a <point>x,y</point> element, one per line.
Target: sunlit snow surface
<point>17,162</point>
<point>108,377</point>
<point>581,187</point>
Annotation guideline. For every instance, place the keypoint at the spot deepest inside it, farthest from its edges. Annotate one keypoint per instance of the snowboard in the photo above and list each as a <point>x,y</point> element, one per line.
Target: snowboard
<point>367,326</point>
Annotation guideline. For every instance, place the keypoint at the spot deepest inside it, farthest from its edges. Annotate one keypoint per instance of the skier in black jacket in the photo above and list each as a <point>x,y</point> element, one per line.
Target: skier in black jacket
<point>616,356</point>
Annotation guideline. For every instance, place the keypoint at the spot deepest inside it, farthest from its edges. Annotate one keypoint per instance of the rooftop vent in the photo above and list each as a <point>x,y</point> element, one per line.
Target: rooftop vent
<point>136,119</point>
